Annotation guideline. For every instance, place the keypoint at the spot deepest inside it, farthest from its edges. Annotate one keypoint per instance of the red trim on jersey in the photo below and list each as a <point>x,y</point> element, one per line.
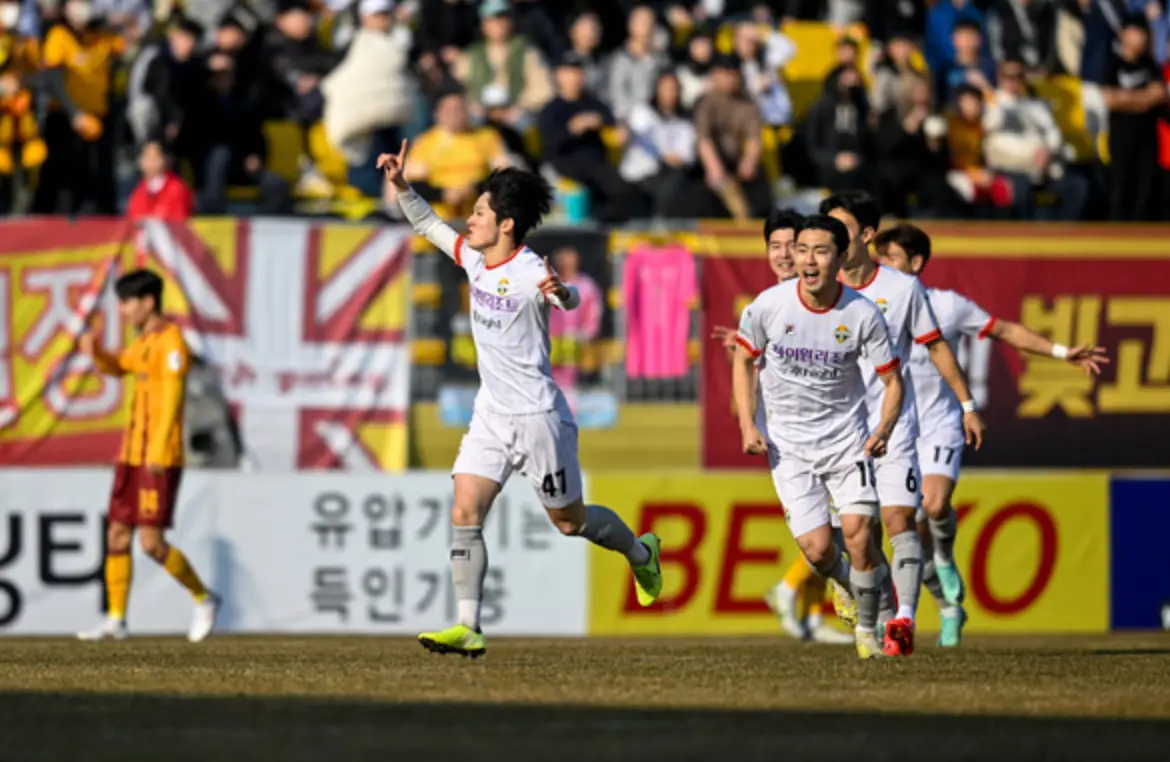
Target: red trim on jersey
<point>892,365</point>
<point>505,261</point>
<point>926,338</point>
<point>868,281</point>
<point>987,329</point>
<point>819,310</point>
<point>459,250</point>
<point>748,346</point>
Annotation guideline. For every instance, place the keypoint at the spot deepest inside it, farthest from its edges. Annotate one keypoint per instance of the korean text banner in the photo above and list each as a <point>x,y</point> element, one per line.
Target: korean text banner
<point>306,325</point>
<point>328,553</point>
<point>1075,284</point>
<point>1033,547</point>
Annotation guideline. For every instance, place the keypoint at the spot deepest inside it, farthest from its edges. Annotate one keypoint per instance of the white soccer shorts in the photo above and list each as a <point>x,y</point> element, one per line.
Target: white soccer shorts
<point>806,491</point>
<point>541,446</point>
<point>899,480</point>
<point>940,453</point>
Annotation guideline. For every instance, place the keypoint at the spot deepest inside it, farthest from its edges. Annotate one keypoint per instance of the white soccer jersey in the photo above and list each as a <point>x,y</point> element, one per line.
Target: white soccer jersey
<point>509,319</point>
<point>938,408</point>
<point>812,383</point>
<point>906,308</point>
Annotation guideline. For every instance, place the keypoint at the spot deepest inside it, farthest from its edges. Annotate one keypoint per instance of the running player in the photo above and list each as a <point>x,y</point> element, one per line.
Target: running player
<point>798,597</point>
<point>521,421</point>
<point>816,331</point>
<point>902,300</point>
<point>146,478</point>
<point>940,443</point>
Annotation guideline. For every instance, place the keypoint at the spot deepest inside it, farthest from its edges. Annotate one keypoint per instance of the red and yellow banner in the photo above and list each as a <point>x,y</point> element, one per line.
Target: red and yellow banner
<point>1034,549</point>
<point>1100,285</point>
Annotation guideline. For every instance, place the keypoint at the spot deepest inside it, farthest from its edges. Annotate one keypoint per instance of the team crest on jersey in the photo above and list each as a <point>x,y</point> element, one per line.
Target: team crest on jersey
<point>502,287</point>
<point>789,329</point>
<point>882,304</point>
<point>841,334</point>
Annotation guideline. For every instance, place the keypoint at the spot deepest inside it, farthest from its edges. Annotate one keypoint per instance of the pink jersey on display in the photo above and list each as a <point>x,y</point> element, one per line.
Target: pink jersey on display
<point>658,288</point>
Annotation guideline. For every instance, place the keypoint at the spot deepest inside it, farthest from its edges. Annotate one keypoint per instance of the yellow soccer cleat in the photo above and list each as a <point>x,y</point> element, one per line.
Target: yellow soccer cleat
<point>459,639</point>
<point>843,603</point>
<point>649,576</point>
<point>868,646</point>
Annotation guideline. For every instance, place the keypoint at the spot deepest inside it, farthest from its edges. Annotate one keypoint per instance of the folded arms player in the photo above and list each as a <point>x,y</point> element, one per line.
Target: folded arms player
<point>815,331</point>
<point>521,421</point>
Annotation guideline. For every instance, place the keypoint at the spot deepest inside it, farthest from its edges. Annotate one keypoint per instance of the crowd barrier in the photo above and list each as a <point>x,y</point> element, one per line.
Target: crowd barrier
<point>1043,552</point>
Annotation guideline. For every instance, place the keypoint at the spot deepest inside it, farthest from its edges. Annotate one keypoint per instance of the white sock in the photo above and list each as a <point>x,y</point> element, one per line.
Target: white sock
<point>787,594</point>
<point>469,614</point>
<point>906,612</point>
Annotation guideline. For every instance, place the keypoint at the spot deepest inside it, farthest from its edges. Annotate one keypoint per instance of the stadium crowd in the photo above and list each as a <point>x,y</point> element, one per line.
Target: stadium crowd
<point>976,108</point>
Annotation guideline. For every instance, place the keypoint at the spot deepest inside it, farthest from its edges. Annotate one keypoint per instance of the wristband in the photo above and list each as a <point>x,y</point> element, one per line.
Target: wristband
<point>1059,351</point>
<point>968,406</point>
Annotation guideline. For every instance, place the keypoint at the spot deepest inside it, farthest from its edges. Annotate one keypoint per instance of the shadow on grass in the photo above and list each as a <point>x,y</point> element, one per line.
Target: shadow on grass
<point>99,727</point>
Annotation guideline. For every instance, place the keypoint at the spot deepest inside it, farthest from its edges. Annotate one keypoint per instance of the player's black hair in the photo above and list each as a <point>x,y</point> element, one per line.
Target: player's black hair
<point>782,219</point>
<point>138,284</point>
<point>521,196</point>
<point>863,206</point>
<point>832,226</point>
<point>912,239</point>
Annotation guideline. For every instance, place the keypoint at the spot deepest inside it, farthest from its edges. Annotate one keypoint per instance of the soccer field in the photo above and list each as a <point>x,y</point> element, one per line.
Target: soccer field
<point>317,698</point>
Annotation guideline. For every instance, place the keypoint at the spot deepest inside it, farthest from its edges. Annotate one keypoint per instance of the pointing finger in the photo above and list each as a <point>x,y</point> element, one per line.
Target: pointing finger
<point>402,152</point>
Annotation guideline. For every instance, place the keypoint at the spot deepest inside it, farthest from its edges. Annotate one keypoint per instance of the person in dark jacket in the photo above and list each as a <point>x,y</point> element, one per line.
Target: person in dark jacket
<point>297,64</point>
<point>838,134</point>
<point>164,83</point>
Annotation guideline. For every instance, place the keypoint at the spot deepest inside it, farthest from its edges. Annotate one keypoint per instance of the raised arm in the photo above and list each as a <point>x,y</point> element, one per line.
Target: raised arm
<point>418,212</point>
<point>104,361</point>
<point>1027,340</point>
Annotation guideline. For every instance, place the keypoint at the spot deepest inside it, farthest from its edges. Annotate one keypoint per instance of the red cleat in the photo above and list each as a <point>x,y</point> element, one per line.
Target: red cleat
<point>899,639</point>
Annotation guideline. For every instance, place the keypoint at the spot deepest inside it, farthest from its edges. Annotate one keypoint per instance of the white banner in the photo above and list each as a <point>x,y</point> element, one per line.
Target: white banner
<point>321,553</point>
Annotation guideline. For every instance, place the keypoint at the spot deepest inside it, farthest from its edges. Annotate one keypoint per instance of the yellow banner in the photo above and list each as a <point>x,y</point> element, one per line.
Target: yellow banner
<point>1033,548</point>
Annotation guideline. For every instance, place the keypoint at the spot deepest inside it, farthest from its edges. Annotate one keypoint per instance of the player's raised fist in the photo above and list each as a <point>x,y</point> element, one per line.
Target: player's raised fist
<point>394,167</point>
<point>552,285</point>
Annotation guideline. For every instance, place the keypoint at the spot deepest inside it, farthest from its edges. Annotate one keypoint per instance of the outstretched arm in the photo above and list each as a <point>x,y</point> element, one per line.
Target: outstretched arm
<point>1027,340</point>
<point>418,212</point>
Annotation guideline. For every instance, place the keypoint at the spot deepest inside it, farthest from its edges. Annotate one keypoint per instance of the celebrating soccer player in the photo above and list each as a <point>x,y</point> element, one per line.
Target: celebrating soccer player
<point>940,444</point>
<point>801,586</point>
<point>146,479</point>
<point>902,300</point>
<point>816,332</point>
<point>521,421</point>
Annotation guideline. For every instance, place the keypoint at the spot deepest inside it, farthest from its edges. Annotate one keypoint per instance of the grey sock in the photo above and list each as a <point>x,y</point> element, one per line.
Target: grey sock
<point>886,608</point>
<point>931,582</point>
<point>943,532</point>
<point>605,528</point>
<point>835,568</point>
<point>907,571</point>
<point>469,563</point>
<point>866,587</point>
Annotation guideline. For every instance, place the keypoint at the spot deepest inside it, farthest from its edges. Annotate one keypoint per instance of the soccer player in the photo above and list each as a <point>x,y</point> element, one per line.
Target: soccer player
<point>903,302</point>
<point>521,421</point>
<point>800,588</point>
<point>146,478</point>
<point>940,443</point>
<point>816,332</point>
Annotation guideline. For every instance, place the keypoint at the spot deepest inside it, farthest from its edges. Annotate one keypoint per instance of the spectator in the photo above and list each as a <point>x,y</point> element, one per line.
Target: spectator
<point>1024,30</point>
<point>892,74</point>
<point>838,134</point>
<point>78,175</point>
<point>446,28</point>
<point>503,72</point>
<point>762,61</point>
<point>904,160</point>
<point>728,127</point>
<point>696,68</point>
<point>448,162</point>
<point>941,21</point>
<point>234,36</point>
<point>584,39</point>
<point>132,18</point>
<point>1135,97</point>
<point>660,155</point>
<point>633,69</point>
<point>889,19</point>
<point>232,147</point>
<point>165,81</point>
<point>970,65</point>
<point>22,149</point>
<point>1024,142</point>
<point>573,332</point>
<point>160,194</point>
<point>571,126</point>
<point>1069,37</point>
<point>534,21</point>
<point>370,96</point>
<point>297,63</point>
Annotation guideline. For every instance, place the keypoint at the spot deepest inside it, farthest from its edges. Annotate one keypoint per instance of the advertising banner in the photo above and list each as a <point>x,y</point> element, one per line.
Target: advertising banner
<point>1033,547</point>
<point>307,326</point>
<point>1075,285</point>
<point>322,553</point>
